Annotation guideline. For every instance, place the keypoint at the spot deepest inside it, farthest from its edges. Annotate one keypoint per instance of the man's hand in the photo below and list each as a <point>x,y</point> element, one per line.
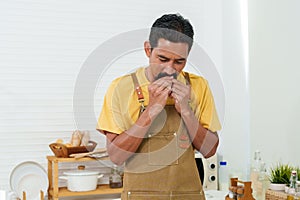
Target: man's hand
<point>181,94</point>
<point>159,91</point>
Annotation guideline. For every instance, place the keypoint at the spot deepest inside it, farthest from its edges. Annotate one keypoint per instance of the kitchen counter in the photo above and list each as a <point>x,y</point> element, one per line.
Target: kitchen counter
<point>209,194</point>
<point>215,195</point>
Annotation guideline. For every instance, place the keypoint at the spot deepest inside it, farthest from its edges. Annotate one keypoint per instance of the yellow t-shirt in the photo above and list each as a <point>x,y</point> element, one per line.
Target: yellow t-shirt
<point>121,107</point>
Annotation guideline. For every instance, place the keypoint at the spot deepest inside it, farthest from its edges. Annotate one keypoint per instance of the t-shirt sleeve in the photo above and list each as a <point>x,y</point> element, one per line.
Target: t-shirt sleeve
<point>110,116</point>
<point>206,110</point>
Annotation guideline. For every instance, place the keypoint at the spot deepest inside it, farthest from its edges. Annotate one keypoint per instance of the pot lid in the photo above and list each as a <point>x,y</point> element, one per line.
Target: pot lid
<point>81,173</point>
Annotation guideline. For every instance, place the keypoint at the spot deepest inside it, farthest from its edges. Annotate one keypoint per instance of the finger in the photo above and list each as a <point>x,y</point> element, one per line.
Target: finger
<point>179,85</point>
<point>176,82</point>
<point>162,85</point>
<point>163,81</point>
<point>162,91</point>
<point>181,89</point>
<point>176,98</point>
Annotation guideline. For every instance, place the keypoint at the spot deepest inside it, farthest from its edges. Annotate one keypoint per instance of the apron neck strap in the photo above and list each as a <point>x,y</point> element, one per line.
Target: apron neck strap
<point>138,89</point>
<point>187,78</point>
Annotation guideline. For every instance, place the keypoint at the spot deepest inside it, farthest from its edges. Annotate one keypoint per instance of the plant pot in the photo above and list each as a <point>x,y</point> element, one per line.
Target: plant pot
<point>81,180</point>
<point>277,186</point>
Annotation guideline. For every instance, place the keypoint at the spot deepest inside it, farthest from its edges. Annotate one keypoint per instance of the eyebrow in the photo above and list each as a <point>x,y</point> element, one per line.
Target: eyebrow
<point>163,57</point>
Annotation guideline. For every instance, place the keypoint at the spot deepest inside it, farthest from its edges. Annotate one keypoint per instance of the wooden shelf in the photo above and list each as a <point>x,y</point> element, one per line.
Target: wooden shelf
<point>101,189</point>
<point>55,192</point>
<point>56,159</point>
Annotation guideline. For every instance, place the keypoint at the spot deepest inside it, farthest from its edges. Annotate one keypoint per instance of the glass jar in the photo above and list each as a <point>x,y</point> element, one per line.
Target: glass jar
<point>115,178</point>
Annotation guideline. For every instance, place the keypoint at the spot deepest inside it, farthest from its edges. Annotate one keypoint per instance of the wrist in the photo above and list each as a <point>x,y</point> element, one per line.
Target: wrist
<point>148,115</point>
<point>153,110</point>
<point>186,111</point>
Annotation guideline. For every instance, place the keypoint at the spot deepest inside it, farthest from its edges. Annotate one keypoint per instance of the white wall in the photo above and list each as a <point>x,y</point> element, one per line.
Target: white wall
<point>274,79</point>
<point>235,134</point>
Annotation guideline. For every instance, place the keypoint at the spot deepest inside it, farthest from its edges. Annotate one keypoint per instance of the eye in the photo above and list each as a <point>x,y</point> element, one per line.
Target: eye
<point>163,60</point>
<point>179,62</point>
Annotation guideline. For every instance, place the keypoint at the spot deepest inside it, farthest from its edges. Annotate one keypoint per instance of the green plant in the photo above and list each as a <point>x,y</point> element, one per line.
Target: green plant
<point>280,173</point>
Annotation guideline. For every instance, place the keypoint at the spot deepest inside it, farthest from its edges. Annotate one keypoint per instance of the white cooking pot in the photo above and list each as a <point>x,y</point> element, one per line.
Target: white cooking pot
<point>81,180</point>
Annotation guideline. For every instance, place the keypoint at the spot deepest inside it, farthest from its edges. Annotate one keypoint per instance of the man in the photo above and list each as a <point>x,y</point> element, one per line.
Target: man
<point>155,117</point>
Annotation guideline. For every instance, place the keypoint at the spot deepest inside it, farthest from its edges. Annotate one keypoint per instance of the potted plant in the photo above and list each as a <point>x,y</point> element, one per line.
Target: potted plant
<point>280,176</point>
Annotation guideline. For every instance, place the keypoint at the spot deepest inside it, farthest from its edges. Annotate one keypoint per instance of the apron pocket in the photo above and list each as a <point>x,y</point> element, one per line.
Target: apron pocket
<point>163,150</point>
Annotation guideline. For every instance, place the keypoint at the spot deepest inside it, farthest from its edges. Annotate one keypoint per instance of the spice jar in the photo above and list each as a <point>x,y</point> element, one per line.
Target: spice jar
<point>115,178</point>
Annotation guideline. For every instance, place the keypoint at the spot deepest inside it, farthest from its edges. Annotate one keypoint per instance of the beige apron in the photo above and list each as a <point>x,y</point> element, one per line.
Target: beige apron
<point>163,167</point>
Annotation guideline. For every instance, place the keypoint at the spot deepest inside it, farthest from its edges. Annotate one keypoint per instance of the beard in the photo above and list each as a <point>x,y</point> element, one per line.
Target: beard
<point>163,74</point>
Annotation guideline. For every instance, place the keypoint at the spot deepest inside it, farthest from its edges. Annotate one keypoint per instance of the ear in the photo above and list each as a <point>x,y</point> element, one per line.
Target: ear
<point>147,48</point>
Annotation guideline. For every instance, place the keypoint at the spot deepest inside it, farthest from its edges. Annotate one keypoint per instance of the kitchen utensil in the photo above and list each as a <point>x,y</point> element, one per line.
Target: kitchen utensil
<point>80,155</point>
<point>31,178</point>
<point>99,155</point>
<point>81,180</point>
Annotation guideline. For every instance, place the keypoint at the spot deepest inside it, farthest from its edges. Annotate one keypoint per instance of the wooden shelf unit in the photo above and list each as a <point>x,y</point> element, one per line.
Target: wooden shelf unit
<point>55,192</point>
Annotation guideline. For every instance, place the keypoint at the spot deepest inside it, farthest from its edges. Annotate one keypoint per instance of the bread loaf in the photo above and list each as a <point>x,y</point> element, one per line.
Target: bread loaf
<point>76,138</point>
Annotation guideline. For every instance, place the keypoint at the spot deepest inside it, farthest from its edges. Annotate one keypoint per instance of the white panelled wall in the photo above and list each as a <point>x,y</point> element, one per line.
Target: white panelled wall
<point>43,45</point>
<point>275,79</point>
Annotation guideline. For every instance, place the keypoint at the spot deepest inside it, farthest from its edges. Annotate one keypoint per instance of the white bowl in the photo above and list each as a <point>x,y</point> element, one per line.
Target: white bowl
<point>277,186</point>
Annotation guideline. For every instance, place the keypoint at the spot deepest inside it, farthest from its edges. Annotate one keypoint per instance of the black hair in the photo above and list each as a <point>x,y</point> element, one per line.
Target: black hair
<point>172,27</point>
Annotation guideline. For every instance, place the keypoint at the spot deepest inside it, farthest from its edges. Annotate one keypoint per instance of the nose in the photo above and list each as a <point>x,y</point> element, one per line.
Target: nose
<point>170,68</point>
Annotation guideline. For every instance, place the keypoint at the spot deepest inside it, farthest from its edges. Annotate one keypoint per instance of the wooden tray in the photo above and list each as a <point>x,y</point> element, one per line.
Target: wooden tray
<point>62,151</point>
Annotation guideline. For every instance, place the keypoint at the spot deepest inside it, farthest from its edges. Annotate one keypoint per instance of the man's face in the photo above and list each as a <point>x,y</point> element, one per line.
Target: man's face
<point>168,58</point>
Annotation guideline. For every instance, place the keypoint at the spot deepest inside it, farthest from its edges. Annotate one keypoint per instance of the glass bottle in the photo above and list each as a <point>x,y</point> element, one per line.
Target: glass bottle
<point>263,180</point>
<point>256,166</point>
<point>223,176</point>
<point>115,178</point>
<point>293,183</point>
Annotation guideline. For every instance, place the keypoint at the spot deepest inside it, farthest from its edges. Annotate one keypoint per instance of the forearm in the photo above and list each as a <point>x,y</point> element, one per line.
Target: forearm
<point>121,147</point>
<point>203,140</point>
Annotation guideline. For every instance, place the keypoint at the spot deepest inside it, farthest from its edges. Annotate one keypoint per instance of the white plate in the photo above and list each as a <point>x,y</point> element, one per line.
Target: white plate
<point>31,178</point>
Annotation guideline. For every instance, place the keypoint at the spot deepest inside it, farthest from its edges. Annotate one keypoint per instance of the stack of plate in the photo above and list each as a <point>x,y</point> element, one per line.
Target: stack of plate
<point>31,178</point>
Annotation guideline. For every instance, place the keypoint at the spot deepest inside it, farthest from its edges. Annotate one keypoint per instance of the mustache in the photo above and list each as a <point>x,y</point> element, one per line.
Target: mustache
<point>163,74</point>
